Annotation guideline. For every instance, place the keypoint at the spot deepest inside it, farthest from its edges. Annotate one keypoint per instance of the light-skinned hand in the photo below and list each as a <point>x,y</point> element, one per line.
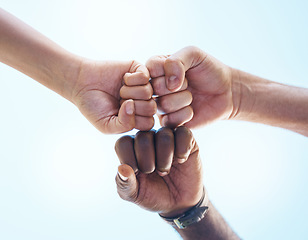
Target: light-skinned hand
<point>193,88</point>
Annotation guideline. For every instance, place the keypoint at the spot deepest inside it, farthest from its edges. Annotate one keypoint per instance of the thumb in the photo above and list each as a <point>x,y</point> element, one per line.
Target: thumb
<point>125,121</point>
<point>127,184</point>
<point>178,63</point>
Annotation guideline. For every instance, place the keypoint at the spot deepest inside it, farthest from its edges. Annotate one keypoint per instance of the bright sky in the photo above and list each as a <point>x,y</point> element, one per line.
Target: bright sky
<point>57,171</point>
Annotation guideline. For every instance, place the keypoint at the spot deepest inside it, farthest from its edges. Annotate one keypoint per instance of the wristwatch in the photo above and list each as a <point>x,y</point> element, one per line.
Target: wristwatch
<point>193,215</point>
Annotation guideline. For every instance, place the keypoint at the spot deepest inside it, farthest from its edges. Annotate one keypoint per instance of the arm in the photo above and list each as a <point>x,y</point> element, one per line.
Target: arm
<point>221,92</point>
<point>212,227</point>
<point>161,172</point>
<point>260,100</point>
<point>28,51</point>
<point>93,86</point>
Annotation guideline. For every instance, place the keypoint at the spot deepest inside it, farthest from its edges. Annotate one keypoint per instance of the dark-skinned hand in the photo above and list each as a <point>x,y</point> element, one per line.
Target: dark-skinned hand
<point>160,171</point>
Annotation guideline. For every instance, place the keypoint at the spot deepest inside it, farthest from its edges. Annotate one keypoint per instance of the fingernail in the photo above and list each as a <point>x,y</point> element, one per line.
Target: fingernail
<point>162,174</point>
<point>173,82</point>
<point>164,120</point>
<point>130,108</point>
<point>122,177</point>
<point>181,160</point>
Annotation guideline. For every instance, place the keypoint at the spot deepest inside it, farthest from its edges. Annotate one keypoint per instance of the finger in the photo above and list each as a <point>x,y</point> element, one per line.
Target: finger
<point>124,122</point>
<point>124,148</point>
<point>160,88</point>
<point>144,123</point>
<point>178,118</point>
<point>184,143</point>
<point>178,63</point>
<point>127,184</point>
<point>144,151</point>
<point>144,108</point>
<point>143,92</point>
<point>174,102</point>
<point>155,65</point>
<point>138,67</point>
<point>136,79</point>
<point>164,148</point>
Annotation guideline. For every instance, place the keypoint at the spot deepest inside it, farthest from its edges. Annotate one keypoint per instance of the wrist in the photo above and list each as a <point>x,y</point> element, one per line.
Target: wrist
<point>236,89</point>
<point>183,207</point>
<point>243,96</point>
<point>212,226</point>
<point>190,216</point>
<point>248,93</point>
<point>67,73</point>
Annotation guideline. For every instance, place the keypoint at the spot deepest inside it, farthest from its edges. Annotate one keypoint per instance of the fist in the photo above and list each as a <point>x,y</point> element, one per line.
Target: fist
<point>160,170</point>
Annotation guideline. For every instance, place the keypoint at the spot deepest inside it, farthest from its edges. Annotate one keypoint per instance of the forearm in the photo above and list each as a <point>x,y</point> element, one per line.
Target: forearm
<point>263,101</point>
<point>212,227</point>
<point>28,51</point>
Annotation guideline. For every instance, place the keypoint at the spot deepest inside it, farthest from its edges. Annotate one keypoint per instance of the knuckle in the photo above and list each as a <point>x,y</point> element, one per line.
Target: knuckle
<point>123,90</point>
<point>148,91</point>
<point>184,152</point>
<point>151,60</point>
<point>192,48</point>
<point>144,78</point>
<point>154,65</point>
<point>134,65</point>
<point>164,135</point>
<point>165,138</point>
<point>165,104</point>
<point>143,138</point>
<point>186,97</point>
<point>144,124</point>
<point>189,94</point>
<point>122,142</point>
<point>148,125</point>
<point>151,123</point>
<point>152,107</point>
<point>153,71</point>
<point>173,120</point>
<point>172,60</point>
<point>158,86</point>
<point>189,113</point>
<point>184,132</point>
<point>126,76</point>
<point>190,97</point>
<point>148,108</point>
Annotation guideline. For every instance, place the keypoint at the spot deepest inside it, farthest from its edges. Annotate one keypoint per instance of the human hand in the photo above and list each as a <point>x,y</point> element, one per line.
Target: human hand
<point>115,96</point>
<point>160,171</point>
<point>208,80</point>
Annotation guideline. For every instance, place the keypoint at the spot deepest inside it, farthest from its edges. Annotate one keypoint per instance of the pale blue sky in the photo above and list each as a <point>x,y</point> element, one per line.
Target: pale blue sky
<point>57,171</point>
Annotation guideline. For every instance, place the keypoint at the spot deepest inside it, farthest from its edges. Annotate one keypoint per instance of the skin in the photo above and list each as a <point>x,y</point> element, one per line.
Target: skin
<point>263,101</point>
<point>161,172</point>
<point>110,105</point>
<point>208,81</point>
<point>177,191</point>
<point>221,92</point>
<point>114,96</point>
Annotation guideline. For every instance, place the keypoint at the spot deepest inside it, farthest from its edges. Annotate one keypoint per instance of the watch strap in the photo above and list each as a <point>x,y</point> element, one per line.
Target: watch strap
<point>191,216</point>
